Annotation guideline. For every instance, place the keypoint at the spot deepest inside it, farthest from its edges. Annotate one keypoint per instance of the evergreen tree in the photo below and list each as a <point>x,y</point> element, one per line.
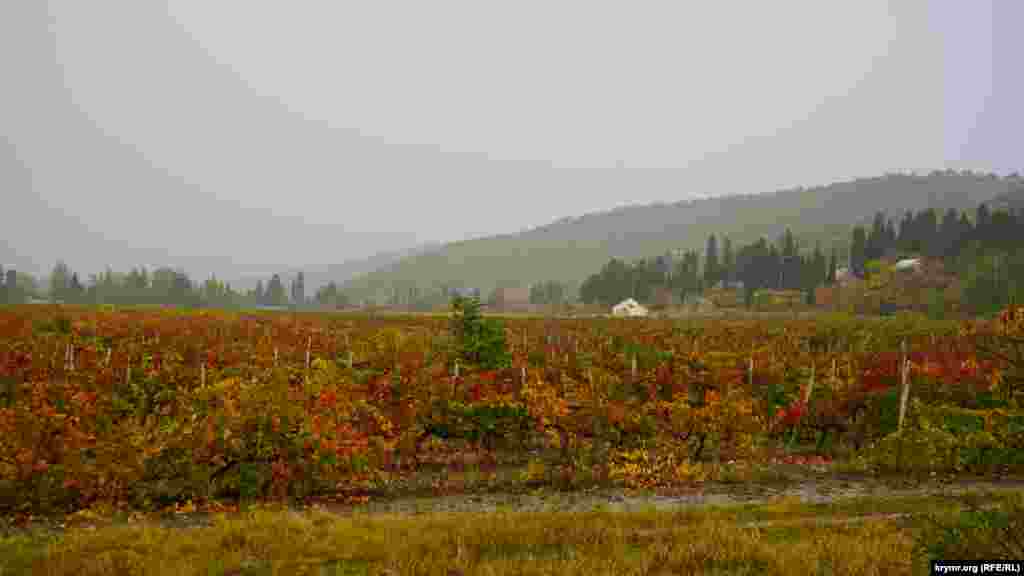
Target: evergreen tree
<point>905,238</point>
<point>832,267</point>
<point>949,231</point>
<point>819,265</point>
<point>298,291</point>
<point>275,294</point>
<point>875,242</point>
<point>890,236</point>
<point>11,290</point>
<point>789,249</point>
<point>76,291</point>
<point>728,260</point>
<point>858,250</point>
<point>928,233</point>
<point>965,233</point>
<point>60,281</point>
<point>711,272</point>
<point>982,224</point>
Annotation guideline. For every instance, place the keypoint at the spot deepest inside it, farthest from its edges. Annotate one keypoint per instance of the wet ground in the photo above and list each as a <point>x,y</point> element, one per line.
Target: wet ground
<point>796,483</point>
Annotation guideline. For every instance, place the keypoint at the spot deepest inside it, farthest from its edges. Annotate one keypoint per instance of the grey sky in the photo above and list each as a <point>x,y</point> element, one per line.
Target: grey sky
<point>249,135</point>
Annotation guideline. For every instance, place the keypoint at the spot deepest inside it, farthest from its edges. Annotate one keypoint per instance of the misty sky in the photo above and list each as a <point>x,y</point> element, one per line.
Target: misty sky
<point>246,136</point>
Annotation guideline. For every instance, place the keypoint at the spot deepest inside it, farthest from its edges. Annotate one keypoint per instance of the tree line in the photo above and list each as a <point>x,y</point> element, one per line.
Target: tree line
<point>751,267</point>
<point>13,287</point>
<point>166,285</point>
<point>986,251</point>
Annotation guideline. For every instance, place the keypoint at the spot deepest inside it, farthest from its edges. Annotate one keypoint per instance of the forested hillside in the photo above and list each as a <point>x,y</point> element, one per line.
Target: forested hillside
<point>572,248</point>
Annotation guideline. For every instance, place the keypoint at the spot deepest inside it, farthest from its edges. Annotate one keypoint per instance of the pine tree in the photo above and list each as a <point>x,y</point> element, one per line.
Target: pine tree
<point>858,250</point>
<point>711,271</point>
<point>728,260</point>
<point>832,264</point>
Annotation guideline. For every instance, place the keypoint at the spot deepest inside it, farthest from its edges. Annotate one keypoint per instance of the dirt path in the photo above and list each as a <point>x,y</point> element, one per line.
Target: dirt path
<point>818,491</point>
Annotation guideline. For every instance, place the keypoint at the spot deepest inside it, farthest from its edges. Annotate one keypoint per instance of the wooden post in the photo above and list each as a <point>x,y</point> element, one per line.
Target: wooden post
<point>456,368</point>
<point>275,355</point>
<point>633,368</point>
<point>202,375</point>
<point>128,374</point>
<point>750,373</point>
<point>905,383</point>
<point>810,386</point>
<point>109,352</point>
<point>517,391</point>
<point>349,359</point>
<point>309,345</point>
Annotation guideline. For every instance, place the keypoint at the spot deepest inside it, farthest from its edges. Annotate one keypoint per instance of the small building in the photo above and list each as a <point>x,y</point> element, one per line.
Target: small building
<point>663,297</point>
<point>908,265</point>
<point>512,298</point>
<point>726,285</point>
<point>629,307</point>
<point>466,292</point>
<point>826,296</point>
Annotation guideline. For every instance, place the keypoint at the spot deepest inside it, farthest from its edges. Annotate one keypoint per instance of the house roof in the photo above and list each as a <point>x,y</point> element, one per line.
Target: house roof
<point>908,263</point>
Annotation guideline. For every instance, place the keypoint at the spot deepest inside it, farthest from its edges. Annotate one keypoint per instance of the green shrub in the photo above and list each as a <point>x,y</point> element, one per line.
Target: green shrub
<point>915,451</point>
<point>949,438</point>
<point>975,533</point>
<point>478,340</point>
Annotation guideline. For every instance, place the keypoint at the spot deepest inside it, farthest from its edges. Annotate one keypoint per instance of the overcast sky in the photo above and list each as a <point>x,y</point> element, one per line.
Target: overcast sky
<point>243,136</point>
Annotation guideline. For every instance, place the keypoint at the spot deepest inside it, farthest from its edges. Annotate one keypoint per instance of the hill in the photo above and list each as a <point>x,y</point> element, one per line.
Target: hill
<point>572,248</point>
<point>1011,200</point>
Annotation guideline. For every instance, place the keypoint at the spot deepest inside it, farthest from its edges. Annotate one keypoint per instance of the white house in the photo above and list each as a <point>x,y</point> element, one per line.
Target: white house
<point>629,307</point>
<point>908,264</point>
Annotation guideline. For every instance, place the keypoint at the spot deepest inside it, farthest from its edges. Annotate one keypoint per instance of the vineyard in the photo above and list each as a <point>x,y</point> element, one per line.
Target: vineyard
<point>156,408</point>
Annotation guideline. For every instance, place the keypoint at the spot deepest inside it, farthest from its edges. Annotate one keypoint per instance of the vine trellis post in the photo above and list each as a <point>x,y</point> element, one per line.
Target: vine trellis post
<point>904,383</point>
<point>516,391</point>
<point>69,357</point>
<point>810,385</point>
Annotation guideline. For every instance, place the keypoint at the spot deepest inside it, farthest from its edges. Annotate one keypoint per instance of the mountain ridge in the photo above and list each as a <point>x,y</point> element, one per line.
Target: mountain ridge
<point>570,248</point>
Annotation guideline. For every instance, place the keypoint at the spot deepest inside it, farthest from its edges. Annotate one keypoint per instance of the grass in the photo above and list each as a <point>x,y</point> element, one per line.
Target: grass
<point>716,540</point>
